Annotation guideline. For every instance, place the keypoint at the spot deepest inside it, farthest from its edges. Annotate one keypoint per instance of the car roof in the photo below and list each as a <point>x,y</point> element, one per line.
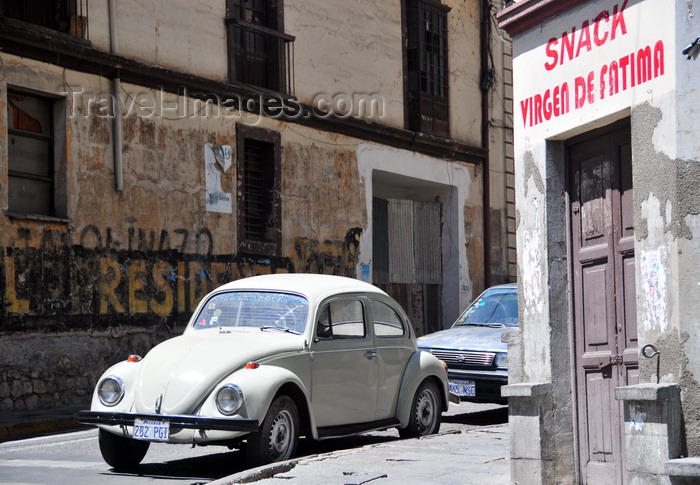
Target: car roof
<point>506,285</point>
<point>313,286</point>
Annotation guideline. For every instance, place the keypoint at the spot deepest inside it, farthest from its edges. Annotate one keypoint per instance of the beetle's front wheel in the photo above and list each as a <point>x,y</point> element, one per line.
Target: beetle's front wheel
<point>277,438</point>
<point>426,412</point>
<point>121,453</point>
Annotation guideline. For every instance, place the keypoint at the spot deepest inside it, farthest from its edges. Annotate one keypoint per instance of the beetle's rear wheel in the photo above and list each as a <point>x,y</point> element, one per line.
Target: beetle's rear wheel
<point>277,438</point>
<point>121,453</point>
<point>426,412</point>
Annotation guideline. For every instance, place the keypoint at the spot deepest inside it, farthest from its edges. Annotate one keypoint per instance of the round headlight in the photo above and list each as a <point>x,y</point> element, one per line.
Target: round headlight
<point>110,390</point>
<point>501,360</point>
<point>229,399</point>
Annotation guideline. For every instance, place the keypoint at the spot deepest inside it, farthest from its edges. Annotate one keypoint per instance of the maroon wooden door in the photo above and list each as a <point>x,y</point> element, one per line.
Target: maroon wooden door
<point>605,328</point>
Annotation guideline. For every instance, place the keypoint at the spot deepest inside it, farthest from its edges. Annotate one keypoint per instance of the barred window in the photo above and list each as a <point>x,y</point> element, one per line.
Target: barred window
<point>259,211</point>
<point>260,53</point>
<point>66,16</point>
<point>426,65</point>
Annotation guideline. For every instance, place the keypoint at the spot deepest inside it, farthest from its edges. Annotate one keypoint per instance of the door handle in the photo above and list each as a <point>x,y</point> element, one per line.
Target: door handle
<point>370,354</point>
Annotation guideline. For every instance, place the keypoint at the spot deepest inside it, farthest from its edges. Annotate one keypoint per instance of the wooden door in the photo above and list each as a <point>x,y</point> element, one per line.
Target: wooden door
<point>605,328</point>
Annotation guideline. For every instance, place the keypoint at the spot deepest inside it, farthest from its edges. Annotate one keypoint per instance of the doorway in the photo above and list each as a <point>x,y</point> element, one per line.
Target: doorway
<point>600,197</point>
<point>407,247</point>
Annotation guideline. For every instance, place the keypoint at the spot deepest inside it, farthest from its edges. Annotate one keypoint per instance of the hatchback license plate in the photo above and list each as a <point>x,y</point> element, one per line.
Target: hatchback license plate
<point>463,388</point>
<point>151,430</point>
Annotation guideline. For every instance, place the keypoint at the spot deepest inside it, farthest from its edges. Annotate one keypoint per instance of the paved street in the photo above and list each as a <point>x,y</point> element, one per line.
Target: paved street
<point>473,444</point>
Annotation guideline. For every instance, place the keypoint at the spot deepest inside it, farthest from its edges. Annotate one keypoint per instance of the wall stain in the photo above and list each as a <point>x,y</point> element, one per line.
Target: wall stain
<point>151,276</point>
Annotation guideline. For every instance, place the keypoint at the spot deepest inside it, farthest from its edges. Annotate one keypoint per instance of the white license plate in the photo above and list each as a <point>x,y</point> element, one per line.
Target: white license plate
<point>151,430</point>
<point>463,388</point>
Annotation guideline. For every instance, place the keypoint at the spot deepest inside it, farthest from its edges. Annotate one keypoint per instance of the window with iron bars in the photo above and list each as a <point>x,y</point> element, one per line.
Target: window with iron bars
<point>66,16</point>
<point>260,53</point>
<point>426,64</point>
<point>259,211</point>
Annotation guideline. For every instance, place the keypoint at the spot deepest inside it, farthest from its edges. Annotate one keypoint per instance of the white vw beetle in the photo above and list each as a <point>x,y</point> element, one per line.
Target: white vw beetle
<point>266,360</point>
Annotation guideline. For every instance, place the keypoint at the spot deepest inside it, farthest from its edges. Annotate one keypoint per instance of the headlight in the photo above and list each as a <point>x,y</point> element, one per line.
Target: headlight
<point>501,360</point>
<point>110,390</point>
<point>229,399</point>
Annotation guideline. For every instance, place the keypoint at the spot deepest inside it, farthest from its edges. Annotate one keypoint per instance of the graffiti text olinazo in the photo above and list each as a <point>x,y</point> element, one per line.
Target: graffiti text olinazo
<point>95,283</point>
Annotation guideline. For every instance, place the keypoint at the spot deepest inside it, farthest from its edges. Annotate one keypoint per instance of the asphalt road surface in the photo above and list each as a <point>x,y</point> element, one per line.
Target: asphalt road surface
<point>74,458</point>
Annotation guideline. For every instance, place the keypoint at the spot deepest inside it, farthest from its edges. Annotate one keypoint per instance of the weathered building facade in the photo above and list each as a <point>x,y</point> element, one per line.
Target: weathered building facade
<point>604,370</point>
<point>151,151</point>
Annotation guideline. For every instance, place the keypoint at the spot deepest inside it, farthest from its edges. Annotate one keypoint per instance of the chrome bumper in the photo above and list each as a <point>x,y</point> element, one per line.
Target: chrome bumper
<point>189,422</point>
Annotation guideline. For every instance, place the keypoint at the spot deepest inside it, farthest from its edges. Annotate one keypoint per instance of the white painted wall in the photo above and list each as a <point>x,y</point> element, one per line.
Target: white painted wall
<point>451,182</point>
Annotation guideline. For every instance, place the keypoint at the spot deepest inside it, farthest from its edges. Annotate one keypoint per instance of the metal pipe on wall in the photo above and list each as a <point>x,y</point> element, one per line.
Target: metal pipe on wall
<point>116,90</point>
<point>485,123</point>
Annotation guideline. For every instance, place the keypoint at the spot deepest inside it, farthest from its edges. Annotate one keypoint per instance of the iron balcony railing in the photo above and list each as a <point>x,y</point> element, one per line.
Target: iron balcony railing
<point>68,16</point>
<point>260,56</point>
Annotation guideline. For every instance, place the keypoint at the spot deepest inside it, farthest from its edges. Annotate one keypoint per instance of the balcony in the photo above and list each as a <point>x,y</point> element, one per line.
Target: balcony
<point>68,17</point>
<point>260,56</point>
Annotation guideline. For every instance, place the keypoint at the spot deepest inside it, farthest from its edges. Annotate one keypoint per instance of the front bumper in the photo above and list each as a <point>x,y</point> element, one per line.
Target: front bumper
<point>488,387</point>
<point>176,421</point>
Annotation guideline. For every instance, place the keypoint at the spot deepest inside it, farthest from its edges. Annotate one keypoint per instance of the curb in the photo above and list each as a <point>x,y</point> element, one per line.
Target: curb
<point>30,424</point>
<point>269,471</point>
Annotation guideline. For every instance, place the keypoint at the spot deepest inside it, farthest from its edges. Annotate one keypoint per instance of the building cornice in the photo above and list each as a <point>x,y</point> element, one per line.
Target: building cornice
<point>26,40</point>
<point>527,14</point>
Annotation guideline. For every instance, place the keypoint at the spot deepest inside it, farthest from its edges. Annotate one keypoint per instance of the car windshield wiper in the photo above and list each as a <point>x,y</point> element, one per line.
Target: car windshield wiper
<point>279,329</point>
<point>490,325</point>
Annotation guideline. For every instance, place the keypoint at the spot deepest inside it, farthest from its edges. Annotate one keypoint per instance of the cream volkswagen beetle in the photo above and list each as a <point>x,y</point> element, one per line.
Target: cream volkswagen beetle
<point>267,359</point>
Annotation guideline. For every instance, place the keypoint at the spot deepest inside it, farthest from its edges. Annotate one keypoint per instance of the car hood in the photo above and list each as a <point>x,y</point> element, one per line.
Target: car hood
<point>182,371</point>
<point>468,337</point>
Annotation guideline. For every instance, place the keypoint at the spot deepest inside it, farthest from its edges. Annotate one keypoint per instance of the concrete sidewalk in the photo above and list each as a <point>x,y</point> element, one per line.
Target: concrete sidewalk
<point>474,456</point>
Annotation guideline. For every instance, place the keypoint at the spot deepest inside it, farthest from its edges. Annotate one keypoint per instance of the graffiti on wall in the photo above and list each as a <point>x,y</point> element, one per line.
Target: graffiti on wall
<point>150,276</point>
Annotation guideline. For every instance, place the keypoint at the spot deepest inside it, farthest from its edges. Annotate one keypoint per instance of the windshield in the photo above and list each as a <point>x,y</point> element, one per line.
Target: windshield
<point>494,306</point>
<point>259,309</point>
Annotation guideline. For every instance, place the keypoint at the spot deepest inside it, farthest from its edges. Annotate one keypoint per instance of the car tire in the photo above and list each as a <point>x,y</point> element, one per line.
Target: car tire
<point>278,436</point>
<point>121,453</point>
<point>426,412</point>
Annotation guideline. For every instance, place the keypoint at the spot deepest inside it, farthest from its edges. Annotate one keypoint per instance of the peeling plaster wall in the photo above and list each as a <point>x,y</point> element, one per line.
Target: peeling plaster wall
<point>123,270</point>
<point>119,271</point>
<point>667,202</point>
<point>663,109</point>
